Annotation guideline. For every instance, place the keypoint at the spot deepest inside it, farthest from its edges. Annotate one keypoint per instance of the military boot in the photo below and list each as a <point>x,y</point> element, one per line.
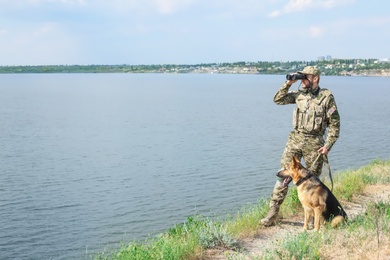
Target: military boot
<point>278,195</point>
<point>272,214</point>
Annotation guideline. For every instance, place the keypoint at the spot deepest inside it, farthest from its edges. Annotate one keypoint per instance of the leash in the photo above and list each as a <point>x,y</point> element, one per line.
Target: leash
<point>327,162</point>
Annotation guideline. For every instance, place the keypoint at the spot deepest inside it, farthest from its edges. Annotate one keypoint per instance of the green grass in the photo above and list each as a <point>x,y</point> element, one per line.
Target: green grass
<point>191,239</point>
<point>368,232</point>
<point>302,246</point>
<point>352,182</point>
<point>246,222</point>
<point>183,241</point>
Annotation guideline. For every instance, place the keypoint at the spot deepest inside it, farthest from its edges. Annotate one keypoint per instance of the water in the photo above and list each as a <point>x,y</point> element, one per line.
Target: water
<point>92,160</point>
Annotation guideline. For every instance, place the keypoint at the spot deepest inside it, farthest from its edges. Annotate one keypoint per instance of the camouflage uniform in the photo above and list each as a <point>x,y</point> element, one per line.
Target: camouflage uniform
<point>314,113</point>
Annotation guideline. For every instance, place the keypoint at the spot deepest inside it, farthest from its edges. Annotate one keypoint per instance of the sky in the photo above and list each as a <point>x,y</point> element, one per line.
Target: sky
<point>84,32</point>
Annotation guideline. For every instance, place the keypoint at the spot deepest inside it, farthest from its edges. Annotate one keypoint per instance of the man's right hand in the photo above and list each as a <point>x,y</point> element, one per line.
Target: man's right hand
<point>290,82</point>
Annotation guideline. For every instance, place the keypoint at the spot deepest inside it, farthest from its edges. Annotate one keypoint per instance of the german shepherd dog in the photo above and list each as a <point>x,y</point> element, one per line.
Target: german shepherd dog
<point>314,196</point>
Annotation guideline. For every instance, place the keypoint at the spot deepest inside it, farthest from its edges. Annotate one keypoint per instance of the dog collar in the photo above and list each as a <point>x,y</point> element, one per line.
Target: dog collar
<point>304,179</point>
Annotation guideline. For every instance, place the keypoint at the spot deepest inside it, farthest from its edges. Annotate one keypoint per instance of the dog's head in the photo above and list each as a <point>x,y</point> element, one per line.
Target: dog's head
<point>294,172</point>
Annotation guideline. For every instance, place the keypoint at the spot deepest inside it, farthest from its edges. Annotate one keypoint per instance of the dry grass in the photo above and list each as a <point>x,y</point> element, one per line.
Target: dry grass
<point>361,244</point>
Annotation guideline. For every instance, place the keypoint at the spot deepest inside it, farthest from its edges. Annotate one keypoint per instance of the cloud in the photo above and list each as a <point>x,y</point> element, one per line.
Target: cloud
<point>377,21</point>
<point>315,31</point>
<point>143,8</point>
<point>69,2</point>
<point>24,3</point>
<point>171,6</point>
<point>35,35</point>
<point>44,29</point>
<point>218,8</point>
<point>304,5</point>
<point>275,13</point>
<point>146,8</point>
<point>46,43</point>
<point>298,5</point>
<point>339,28</point>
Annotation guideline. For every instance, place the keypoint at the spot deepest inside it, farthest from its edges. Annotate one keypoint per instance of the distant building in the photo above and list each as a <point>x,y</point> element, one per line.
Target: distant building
<point>322,58</point>
<point>384,60</point>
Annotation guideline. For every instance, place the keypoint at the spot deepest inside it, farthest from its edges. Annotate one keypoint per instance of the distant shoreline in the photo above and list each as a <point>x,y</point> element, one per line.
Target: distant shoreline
<point>350,74</point>
<point>351,67</point>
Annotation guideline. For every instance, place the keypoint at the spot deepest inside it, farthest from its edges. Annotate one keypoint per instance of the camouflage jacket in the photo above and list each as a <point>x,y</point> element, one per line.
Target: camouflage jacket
<point>314,113</point>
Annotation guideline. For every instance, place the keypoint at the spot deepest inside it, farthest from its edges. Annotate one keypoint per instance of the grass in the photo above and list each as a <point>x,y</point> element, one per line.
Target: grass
<point>368,234</point>
<point>366,237</point>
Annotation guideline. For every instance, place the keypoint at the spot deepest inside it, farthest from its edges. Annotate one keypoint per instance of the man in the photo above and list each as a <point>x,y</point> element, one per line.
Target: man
<point>315,112</point>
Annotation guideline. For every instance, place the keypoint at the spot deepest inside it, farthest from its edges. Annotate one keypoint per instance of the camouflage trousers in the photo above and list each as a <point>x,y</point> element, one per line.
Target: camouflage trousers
<point>301,145</point>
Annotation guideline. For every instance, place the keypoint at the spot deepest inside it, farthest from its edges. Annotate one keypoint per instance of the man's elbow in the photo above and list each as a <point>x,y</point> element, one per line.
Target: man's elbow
<point>277,100</point>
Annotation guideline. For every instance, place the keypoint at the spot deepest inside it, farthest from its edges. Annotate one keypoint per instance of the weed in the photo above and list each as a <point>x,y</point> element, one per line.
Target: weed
<point>291,204</point>
<point>246,221</point>
<point>305,245</point>
<point>214,234</point>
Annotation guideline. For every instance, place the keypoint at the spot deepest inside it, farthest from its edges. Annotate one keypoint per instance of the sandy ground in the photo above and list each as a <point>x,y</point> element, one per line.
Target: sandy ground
<point>267,236</point>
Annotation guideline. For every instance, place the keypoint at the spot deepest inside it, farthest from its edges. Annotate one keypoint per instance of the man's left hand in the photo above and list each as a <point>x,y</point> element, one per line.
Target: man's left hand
<point>323,150</point>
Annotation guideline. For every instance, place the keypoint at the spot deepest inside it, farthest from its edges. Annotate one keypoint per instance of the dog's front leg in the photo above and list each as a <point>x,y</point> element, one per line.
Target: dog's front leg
<point>318,218</point>
<point>308,215</point>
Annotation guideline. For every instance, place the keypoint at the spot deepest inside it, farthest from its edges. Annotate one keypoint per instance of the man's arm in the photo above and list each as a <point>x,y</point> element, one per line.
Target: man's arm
<point>283,97</point>
<point>333,117</point>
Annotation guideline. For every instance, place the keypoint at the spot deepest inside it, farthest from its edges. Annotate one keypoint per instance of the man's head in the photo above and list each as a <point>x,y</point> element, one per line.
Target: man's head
<point>312,77</point>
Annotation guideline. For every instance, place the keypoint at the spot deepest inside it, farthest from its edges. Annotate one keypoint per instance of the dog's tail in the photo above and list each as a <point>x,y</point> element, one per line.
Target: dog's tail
<point>336,221</point>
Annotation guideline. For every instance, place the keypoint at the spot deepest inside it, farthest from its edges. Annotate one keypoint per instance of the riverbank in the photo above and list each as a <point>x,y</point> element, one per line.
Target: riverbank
<point>364,193</point>
<point>336,67</point>
<point>367,73</point>
<point>365,237</point>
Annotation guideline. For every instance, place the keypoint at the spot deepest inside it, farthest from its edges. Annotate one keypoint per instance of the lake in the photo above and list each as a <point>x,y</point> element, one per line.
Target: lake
<point>89,161</point>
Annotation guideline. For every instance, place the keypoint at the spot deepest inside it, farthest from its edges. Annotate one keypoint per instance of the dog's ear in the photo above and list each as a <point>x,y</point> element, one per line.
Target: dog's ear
<point>295,162</point>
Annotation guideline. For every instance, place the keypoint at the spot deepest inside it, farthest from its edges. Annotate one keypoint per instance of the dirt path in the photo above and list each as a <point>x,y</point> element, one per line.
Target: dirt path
<point>253,247</point>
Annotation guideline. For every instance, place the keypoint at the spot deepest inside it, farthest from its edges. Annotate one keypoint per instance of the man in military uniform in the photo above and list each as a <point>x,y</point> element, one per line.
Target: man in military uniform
<point>315,112</point>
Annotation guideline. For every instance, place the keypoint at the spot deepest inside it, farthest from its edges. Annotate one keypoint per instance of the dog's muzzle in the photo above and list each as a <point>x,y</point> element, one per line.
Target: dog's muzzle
<point>286,181</point>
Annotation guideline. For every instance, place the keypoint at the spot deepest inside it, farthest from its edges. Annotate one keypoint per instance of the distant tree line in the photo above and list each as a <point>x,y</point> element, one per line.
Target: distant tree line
<point>329,67</point>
